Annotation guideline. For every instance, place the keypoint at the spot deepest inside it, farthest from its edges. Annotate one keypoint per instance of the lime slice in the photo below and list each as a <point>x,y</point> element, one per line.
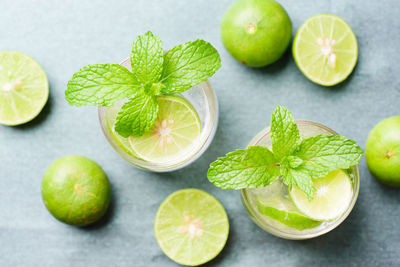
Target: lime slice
<point>273,201</point>
<point>24,88</point>
<point>174,132</point>
<point>191,227</point>
<point>325,49</point>
<point>332,196</point>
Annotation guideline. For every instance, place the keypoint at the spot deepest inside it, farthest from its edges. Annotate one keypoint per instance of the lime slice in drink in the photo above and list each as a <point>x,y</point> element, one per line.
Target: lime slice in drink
<point>273,201</point>
<point>24,88</point>
<point>174,132</point>
<point>191,227</point>
<point>332,196</point>
<point>325,49</point>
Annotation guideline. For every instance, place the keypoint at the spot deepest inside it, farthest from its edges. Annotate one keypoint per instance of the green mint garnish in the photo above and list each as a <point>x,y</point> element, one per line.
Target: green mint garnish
<point>100,85</point>
<point>153,73</point>
<point>187,65</point>
<point>245,168</point>
<point>297,162</point>
<point>137,115</point>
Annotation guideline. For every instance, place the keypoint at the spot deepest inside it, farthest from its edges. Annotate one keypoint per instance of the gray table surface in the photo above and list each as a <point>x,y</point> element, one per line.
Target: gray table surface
<point>66,35</point>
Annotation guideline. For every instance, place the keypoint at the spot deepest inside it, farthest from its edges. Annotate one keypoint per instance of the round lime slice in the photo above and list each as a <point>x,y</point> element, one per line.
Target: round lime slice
<point>191,227</point>
<point>174,132</point>
<point>332,196</point>
<point>325,49</point>
<point>24,88</point>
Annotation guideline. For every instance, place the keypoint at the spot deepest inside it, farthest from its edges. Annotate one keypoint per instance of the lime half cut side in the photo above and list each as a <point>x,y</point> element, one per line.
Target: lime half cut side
<point>191,227</point>
<point>24,88</point>
<point>325,49</point>
<point>332,197</point>
<point>173,134</point>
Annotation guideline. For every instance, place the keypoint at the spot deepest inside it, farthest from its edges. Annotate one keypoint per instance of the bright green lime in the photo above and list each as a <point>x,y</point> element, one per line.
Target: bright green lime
<point>284,212</point>
<point>383,151</point>
<point>325,49</point>
<point>191,227</point>
<point>173,134</point>
<point>256,32</point>
<point>76,190</point>
<point>332,196</point>
<point>24,88</point>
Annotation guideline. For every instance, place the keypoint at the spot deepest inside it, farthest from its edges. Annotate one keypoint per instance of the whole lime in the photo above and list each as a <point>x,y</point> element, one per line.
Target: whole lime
<point>383,151</point>
<point>76,190</point>
<point>256,32</point>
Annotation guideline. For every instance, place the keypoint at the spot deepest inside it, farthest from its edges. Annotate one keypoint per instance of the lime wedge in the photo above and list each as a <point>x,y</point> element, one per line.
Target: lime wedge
<point>325,49</point>
<point>174,132</point>
<point>24,88</point>
<point>191,227</point>
<point>332,196</point>
<point>273,201</point>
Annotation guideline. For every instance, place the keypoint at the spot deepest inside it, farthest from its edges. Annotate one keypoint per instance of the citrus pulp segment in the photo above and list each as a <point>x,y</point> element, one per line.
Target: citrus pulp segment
<point>332,196</point>
<point>325,49</point>
<point>24,88</point>
<point>173,134</point>
<point>191,227</point>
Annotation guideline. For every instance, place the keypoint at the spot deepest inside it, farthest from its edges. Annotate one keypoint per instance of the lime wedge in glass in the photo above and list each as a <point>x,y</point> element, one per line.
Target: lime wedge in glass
<point>24,88</point>
<point>332,197</point>
<point>273,201</point>
<point>325,49</point>
<point>191,227</point>
<point>173,134</point>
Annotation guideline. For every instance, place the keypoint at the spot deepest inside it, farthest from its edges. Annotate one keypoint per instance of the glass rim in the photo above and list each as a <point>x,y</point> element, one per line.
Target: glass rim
<point>198,150</point>
<point>279,233</point>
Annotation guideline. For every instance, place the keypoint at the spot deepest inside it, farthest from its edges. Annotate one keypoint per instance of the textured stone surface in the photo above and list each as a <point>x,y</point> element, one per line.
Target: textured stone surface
<point>66,35</point>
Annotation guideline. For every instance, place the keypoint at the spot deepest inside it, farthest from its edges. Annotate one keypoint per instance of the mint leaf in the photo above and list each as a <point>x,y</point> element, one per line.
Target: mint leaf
<point>322,154</point>
<point>187,65</point>
<point>137,116</point>
<point>301,178</point>
<point>293,161</point>
<point>147,58</point>
<point>284,133</point>
<point>245,168</point>
<point>100,85</point>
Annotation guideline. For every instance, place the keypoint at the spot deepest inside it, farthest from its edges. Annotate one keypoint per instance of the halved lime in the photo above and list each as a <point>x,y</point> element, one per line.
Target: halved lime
<point>24,88</point>
<point>173,134</point>
<point>332,196</point>
<point>191,227</point>
<point>325,49</point>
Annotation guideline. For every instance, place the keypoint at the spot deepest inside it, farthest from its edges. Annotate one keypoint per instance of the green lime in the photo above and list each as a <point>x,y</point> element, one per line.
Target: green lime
<point>325,49</point>
<point>383,151</point>
<point>256,32</point>
<point>191,227</point>
<point>76,190</point>
<point>24,88</point>
<point>332,196</point>
<point>174,132</point>
<point>278,206</point>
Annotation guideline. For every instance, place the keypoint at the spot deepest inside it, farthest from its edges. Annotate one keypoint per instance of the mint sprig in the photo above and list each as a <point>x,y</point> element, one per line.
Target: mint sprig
<point>297,162</point>
<point>153,73</point>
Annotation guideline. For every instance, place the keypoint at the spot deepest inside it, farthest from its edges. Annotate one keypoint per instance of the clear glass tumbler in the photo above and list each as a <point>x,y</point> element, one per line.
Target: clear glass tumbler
<point>203,100</point>
<point>249,196</point>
